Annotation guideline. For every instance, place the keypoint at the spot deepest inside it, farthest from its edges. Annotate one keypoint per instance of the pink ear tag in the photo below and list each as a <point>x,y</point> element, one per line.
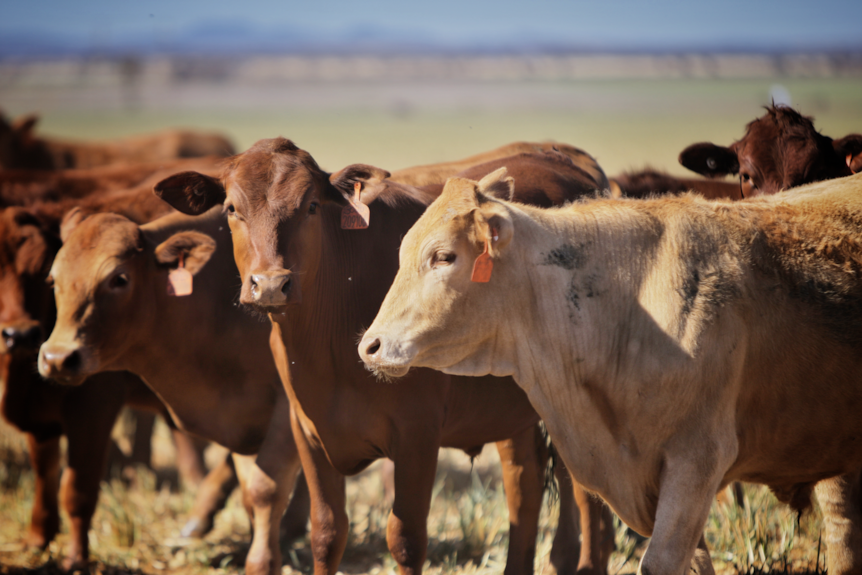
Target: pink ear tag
<point>180,280</point>
<point>484,265</point>
<point>355,215</point>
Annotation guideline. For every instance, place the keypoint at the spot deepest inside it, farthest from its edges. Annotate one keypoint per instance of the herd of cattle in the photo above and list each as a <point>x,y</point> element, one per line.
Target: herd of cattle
<point>671,342</point>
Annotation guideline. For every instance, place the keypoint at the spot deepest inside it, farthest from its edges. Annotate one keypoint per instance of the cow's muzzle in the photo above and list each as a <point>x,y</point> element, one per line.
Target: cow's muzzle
<point>21,338</point>
<point>64,364</point>
<point>381,360</point>
<point>272,289</point>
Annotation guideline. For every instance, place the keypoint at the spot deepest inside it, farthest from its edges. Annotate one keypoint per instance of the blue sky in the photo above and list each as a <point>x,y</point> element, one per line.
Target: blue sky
<point>610,24</point>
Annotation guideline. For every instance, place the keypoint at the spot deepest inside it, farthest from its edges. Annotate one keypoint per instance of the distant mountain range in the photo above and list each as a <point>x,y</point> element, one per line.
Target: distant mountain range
<point>238,38</point>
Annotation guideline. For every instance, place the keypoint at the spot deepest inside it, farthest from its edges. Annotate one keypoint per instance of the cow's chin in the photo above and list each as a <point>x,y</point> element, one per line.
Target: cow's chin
<point>388,373</point>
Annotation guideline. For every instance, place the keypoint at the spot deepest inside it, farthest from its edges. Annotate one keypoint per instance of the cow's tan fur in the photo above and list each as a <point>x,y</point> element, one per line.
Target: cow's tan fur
<point>670,345</point>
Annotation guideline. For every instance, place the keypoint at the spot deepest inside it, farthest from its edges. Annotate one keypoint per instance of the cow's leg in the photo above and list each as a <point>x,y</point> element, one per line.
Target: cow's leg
<point>267,487</point>
<point>45,518</point>
<point>580,509</point>
<point>329,523</point>
<point>190,457</point>
<point>407,527</point>
<point>142,444</point>
<point>88,416</point>
<point>211,496</point>
<point>523,459</point>
<point>683,507</point>
<point>840,500</point>
<point>294,523</point>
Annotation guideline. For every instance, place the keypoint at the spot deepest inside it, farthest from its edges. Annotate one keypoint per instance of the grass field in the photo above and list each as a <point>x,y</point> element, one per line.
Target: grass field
<point>624,124</point>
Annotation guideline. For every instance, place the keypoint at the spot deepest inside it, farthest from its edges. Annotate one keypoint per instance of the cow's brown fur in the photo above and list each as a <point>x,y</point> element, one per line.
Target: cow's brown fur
<point>649,182</point>
<point>284,212</point>
<point>678,342</point>
<point>780,150</point>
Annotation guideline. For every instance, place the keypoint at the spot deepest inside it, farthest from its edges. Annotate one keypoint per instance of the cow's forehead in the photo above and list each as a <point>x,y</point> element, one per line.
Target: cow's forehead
<point>100,236</point>
<point>281,180</point>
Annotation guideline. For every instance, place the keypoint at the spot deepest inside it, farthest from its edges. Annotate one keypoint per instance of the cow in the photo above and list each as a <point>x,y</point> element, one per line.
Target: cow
<point>649,182</point>
<point>671,345</point>
<point>320,285</point>
<point>20,147</point>
<point>26,187</point>
<point>205,358</point>
<point>780,150</point>
<point>28,241</point>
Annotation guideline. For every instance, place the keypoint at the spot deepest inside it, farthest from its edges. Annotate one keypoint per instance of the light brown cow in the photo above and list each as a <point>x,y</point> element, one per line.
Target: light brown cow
<point>320,285</point>
<point>20,147</point>
<point>29,239</point>
<point>204,357</point>
<point>670,345</point>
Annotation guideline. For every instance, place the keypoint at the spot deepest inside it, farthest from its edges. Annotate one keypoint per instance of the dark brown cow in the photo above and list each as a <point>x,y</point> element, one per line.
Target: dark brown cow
<point>29,238</point>
<point>20,147</point>
<point>208,360</point>
<point>320,285</point>
<point>780,150</point>
<point>25,187</point>
<point>649,182</point>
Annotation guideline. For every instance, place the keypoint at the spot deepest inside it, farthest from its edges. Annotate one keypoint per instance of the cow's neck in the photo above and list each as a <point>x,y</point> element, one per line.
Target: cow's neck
<point>355,270</point>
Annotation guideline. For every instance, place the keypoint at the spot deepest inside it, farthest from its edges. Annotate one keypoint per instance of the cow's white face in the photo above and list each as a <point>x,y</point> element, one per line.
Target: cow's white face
<point>434,315</point>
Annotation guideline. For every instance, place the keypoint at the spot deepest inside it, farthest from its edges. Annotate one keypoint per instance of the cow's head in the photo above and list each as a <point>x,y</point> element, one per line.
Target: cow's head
<point>434,314</point>
<point>28,243</point>
<point>780,150</point>
<point>107,278</point>
<point>277,201</point>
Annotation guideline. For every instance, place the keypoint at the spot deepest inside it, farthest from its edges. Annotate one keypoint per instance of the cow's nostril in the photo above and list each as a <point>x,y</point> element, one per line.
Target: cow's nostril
<point>72,363</point>
<point>285,289</point>
<point>373,347</point>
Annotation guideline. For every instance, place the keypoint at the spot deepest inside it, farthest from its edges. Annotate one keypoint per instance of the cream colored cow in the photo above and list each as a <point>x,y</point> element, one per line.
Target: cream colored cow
<point>670,345</point>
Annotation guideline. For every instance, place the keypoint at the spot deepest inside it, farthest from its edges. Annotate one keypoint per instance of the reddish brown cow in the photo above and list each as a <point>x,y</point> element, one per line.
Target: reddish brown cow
<point>780,150</point>
<point>20,147</point>
<point>208,360</point>
<point>320,285</point>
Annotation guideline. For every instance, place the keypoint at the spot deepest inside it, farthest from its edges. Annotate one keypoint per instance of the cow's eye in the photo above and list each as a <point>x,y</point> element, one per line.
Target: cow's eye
<point>118,281</point>
<point>442,259</point>
<point>312,208</point>
<point>230,209</point>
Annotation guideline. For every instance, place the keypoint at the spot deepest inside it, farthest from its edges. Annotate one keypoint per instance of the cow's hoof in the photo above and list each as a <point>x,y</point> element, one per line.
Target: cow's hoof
<point>196,528</point>
<point>72,564</point>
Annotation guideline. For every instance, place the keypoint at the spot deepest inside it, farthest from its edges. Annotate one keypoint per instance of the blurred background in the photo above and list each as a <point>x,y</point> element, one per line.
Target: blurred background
<point>394,84</point>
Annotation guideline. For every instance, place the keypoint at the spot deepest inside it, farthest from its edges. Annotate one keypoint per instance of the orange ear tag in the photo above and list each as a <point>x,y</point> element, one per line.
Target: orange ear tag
<point>484,265</point>
<point>180,280</point>
<point>355,215</point>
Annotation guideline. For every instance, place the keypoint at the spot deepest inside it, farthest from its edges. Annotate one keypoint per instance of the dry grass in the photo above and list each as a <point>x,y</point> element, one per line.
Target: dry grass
<point>137,524</point>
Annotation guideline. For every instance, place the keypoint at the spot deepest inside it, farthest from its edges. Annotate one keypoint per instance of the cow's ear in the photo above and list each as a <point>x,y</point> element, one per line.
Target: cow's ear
<point>497,184</point>
<point>24,126</point>
<point>493,225</point>
<point>190,192</point>
<point>369,177</point>
<point>72,220</point>
<point>849,149</point>
<point>709,160</point>
<point>195,247</point>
